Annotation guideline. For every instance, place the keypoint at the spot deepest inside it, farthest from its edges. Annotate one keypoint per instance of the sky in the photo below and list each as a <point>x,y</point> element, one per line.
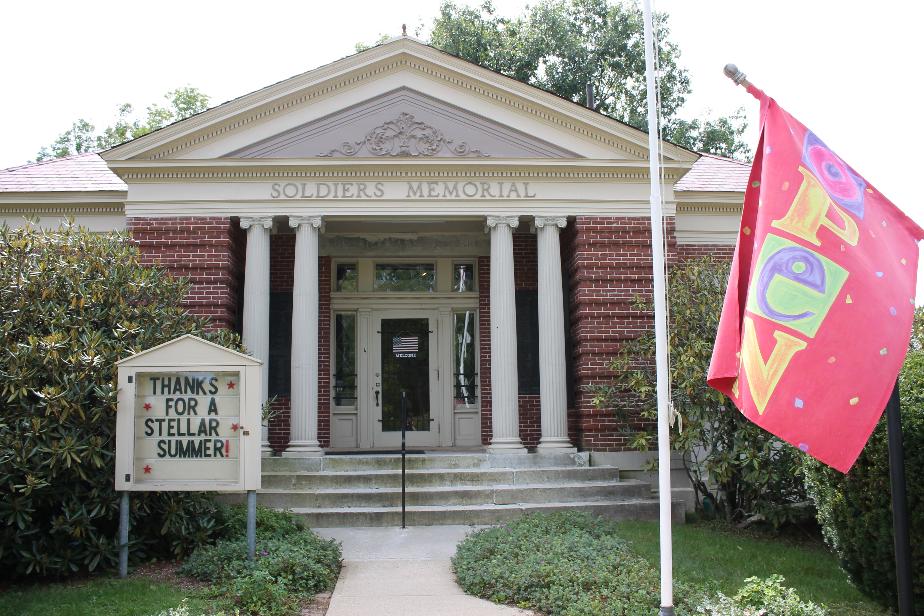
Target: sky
<point>845,69</point>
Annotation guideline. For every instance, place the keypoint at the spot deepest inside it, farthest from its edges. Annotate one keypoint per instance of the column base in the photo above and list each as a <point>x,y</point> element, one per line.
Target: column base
<point>507,447</point>
<point>555,444</point>
<point>303,449</point>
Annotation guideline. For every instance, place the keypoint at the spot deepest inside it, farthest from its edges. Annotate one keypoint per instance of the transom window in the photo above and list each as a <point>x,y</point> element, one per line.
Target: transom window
<point>406,277</point>
<point>398,275</point>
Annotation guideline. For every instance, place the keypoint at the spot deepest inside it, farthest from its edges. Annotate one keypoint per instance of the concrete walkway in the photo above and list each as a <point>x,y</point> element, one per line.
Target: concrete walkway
<point>395,572</point>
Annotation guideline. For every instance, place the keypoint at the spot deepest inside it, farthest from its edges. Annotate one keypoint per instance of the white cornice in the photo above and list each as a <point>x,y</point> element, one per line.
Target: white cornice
<point>709,208</point>
<point>388,209</point>
<point>687,196</point>
<point>401,54</point>
<point>61,209</point>
<point>63,198</point>
<point>250,170</point>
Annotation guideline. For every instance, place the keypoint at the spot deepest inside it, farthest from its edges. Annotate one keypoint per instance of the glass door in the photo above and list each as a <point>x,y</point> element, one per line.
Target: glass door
<point>405,373</point>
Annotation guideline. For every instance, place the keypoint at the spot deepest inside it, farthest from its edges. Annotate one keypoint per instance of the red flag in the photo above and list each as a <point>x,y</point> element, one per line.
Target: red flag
<point>820,299</point>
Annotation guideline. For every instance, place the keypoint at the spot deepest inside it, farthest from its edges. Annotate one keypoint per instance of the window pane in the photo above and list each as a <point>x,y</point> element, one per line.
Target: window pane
<point>344,385</point>
<point>405,277</point>
<point>347,275</point>
<point>463,277</point>
<point>465,362</point>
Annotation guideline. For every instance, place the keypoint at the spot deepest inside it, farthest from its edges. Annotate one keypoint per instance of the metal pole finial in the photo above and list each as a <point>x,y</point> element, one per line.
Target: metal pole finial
<point>732,72</point>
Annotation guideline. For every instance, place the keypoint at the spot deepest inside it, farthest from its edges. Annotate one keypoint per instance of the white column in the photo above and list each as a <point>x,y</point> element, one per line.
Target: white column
<point>256,301</point>
<point>504,383</point>
<point>303,442</point>
<point>553,397</point>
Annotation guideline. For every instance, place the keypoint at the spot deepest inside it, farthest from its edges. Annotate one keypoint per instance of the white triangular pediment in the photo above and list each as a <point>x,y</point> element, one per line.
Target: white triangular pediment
<point>403,123</point>
<point>399,99</point>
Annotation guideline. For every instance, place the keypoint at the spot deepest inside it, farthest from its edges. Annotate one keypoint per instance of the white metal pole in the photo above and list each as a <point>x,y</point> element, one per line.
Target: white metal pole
<point>658,272</point>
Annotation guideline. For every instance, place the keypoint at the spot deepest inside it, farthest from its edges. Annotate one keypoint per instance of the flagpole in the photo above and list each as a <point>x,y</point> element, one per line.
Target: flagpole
<point>900,528</point>
<point>660,307</point>
<point>900,524</point>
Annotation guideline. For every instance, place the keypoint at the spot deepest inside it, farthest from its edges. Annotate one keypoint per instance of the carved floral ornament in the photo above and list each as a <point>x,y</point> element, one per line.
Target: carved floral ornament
<point>405,136</point>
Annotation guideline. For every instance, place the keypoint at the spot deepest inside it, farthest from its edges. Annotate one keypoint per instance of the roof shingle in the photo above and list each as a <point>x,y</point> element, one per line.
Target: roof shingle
<point>78,173</point>
<point>715,174</point>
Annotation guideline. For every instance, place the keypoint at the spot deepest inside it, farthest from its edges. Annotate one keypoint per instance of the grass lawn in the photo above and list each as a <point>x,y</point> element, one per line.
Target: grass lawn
<point>103,596</point>
<point>705,553</point>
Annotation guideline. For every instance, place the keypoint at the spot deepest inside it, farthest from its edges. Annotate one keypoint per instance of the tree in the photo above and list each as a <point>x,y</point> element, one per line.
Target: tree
<point>735,466</point>
<point>72,303</point>
<point>561,45</point>
<point>82,137</point>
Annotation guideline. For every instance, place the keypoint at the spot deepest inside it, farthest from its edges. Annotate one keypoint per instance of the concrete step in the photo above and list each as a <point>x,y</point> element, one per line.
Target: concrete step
<point>429,460</point>
<point>456,495</point>
<point>620,509</point>
<point>305,480</point>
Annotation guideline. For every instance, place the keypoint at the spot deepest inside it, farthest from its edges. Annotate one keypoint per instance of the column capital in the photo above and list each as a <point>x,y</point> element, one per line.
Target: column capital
<point>510,221</point>
<point>295,221</point>
<point>550,221</point>
<point>256,221</point>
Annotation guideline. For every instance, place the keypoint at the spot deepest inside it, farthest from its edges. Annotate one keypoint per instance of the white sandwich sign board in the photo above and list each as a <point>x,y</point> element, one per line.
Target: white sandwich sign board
<point>189,414</point>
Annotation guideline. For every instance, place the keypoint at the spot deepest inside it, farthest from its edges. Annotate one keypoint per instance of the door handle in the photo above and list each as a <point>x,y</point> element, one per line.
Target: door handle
<point>376,397</point>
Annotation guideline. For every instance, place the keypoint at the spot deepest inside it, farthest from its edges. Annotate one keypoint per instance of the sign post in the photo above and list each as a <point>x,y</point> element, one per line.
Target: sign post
<point>188,419</point>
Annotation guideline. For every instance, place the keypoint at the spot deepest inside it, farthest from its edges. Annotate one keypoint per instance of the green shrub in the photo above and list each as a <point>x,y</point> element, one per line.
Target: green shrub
<point>258,592</point>
<point>271,523</point>
<point>761,597</point>
<point>72,303</point>
<point>855,509</point>
<point>736,468</point>
<point>291,564</point>
<point>569,564</point>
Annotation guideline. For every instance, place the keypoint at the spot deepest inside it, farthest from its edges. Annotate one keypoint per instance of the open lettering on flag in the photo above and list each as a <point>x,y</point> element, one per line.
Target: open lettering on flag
<point>820,299</point>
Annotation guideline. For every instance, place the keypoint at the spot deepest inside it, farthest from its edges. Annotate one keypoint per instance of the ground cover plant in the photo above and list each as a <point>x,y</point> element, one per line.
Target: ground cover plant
<point>292,564</point>
<point>97,595</point>
<point>576,565</point>
<point>72,303</point>
<point>713,553</point>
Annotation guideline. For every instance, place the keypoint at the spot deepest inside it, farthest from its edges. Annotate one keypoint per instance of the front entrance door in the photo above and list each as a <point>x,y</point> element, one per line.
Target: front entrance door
<point>405,362</point>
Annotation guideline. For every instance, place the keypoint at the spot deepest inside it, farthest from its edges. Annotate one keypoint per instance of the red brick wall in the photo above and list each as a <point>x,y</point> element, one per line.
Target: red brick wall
<point>282,272</point>
<point>282,275</point>
<point>282,262</point>
<point>279,423</point>
<point>525,277</point>
<point>693,251</point>
<point>324,318</point>
<point>207,250</point>
<point>484,343</point>
<point>609,266</point>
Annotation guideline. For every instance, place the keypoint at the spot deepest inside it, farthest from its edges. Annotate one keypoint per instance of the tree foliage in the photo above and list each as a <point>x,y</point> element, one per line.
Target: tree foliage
<point>72,303</point>
<point>82,137</point>
<point>561,45</point>
<point>734,466</point>
<point>855,510</point>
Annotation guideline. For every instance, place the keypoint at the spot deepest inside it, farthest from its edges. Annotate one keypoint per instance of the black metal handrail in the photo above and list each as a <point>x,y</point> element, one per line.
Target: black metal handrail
<point>403,454</point>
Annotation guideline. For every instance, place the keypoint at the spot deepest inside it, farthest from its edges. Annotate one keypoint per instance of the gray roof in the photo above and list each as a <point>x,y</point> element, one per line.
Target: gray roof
<point>78,173</point>
<point>88,173</point>
<point>715,174</point>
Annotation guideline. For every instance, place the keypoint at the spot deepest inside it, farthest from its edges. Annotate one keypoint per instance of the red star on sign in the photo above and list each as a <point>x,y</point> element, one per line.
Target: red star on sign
<point>231,384</point>
<point>147,406</point>
<point>147,469</point>
<point>234,427</point>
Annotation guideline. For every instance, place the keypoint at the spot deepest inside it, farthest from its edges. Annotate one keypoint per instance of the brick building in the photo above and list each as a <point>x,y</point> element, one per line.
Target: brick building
<point>402,222</point>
